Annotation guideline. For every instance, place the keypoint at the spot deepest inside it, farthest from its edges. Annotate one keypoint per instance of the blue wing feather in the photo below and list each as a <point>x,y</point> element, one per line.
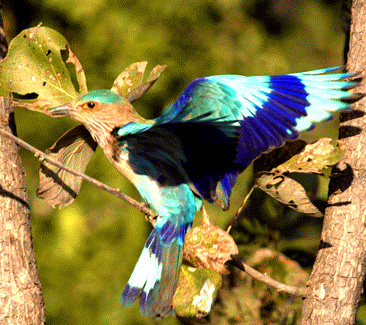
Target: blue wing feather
<point>215,129</point>
<point>247,116</point>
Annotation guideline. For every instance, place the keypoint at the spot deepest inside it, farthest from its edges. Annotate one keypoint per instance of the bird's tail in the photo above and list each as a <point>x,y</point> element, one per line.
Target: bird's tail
<point>155,276</point>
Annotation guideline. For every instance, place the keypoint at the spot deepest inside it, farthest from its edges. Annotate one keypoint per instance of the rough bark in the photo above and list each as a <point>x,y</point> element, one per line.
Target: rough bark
<point>339,271</point>
<point>20,290</point>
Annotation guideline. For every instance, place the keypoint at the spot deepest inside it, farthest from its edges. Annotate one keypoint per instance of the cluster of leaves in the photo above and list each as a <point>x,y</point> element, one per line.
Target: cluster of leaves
<point>41,70</point>
<point>312,159</point>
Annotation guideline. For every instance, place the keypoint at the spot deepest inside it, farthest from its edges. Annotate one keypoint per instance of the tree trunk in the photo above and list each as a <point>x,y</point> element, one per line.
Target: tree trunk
<point>339,271</point>
<point>20,290</point>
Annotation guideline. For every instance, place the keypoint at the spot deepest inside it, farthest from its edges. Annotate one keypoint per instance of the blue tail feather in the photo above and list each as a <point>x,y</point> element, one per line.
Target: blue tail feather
<point>155,276</point>
<point>220,124</point>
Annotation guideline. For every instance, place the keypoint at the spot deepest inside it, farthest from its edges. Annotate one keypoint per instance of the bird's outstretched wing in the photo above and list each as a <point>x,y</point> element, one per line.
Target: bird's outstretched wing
<point>222,123</point>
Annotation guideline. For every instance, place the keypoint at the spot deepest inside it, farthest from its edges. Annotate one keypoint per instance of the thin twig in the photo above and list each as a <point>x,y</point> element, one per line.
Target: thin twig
<point>296,291</point>
<point>205,217</point>
<point>302,292</point>
<point>116,192</point>
<point>232,223</point>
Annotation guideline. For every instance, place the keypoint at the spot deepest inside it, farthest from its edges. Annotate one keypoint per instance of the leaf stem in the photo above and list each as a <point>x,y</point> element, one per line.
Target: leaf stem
<point>241,209</point>
<point>114,191</point>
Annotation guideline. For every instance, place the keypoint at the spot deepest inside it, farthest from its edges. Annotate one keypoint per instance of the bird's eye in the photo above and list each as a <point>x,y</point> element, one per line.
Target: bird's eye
<point>91,104</point>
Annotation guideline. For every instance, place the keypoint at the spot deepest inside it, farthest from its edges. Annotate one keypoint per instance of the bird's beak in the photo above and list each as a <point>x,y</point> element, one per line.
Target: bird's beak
<point>63,110</point>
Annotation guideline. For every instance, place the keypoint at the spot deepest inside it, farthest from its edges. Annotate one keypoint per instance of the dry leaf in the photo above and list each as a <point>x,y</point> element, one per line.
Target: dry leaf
<point>314,158</point>
<point>129,82</point>
<point>208,246</point>
<point>287,191</point>
<point>80,75</point>
<point>74,149</point>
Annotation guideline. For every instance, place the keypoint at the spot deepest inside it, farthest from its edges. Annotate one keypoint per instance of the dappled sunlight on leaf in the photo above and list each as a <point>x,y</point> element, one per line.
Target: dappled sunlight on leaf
<point>287,191</point>
<point>196,292</point>
<point>129,82</point>
<point>34,64</point>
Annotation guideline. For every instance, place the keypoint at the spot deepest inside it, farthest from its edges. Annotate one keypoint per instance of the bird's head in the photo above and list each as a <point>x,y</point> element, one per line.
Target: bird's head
<point>100,111</point>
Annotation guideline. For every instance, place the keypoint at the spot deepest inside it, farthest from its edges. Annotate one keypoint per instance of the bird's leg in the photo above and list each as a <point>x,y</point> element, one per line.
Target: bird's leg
<point>151,219</point>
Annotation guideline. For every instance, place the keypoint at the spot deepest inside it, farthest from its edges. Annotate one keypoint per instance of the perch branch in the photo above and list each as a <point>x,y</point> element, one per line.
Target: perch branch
<point>302,292</point>
<point>116,192</point>
<point>296,291</point>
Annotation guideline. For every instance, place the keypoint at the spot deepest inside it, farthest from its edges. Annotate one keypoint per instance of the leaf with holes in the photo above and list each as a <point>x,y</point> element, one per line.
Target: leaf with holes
<point>74,149</point>
<point>269,161</point>
<point>287,191</point>
<point>130,83</point>
<point>196,292</point>
<point>34,66</point>
<point>314,157</point>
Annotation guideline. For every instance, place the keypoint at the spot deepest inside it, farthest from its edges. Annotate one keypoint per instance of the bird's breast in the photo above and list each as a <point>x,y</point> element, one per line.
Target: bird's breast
<point>118,156</point>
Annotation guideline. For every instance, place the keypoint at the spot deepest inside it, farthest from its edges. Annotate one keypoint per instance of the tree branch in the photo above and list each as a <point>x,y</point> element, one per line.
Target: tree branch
<point>302,292</point>
<point>20,287</point>
<point>339,270</point>
<point>296,291</point>
<point>116,192</point>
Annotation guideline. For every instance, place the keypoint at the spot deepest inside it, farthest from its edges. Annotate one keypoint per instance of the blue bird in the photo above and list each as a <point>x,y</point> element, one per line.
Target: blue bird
<point>195,151</point>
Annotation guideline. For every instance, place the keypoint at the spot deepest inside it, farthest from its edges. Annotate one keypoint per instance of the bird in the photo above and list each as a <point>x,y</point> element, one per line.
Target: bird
<point>195,150</point>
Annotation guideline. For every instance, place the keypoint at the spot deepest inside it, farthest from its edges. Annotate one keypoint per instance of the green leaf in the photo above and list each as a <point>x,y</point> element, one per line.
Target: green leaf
<point>196,292</point>
<point>314,158</point>
<point>278,266</point>
<point>34,65</point>
<point>74,149</point>
<point>129,78</point>
<point>250,301</point>
<point>139,91</point>
<point>129,82</point>
<point>287,191</point>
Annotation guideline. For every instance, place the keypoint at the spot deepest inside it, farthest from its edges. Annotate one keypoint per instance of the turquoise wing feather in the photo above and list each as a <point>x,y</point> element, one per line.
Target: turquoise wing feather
<point>200,144</point>
<point>224,122</point>
<point>196,149</point>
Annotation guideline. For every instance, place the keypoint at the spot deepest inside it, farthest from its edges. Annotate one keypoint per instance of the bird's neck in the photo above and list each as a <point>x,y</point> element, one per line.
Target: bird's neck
<point>101,132</point>
<point>102,125</point>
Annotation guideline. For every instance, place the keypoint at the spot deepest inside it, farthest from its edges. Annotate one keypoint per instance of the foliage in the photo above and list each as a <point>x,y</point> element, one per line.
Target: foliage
<point>86,251</point>
<point>34,63</point>
<point>252,302</point>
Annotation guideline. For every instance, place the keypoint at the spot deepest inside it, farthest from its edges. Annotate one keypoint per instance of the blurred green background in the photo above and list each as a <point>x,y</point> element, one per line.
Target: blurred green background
<point>86,251</point>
